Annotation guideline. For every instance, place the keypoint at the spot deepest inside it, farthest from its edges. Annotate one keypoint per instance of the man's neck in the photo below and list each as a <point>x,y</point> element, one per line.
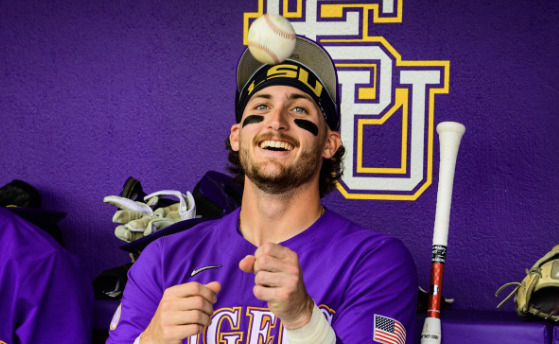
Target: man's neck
<point>277,217</point>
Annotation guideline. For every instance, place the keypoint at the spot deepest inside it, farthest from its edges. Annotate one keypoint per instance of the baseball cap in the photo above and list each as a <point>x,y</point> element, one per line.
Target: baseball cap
<point>309,68</point>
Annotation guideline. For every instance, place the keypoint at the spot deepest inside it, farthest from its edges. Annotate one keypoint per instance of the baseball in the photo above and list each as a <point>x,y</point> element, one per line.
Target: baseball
<point>271,39</point>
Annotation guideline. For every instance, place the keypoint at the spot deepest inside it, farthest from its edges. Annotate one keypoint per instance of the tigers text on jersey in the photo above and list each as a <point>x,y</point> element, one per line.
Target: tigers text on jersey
<point>352,274</point>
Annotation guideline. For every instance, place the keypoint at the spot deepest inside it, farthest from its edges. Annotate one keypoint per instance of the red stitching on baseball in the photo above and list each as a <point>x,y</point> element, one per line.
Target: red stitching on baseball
<point>277,30</point>
<point>265,49</point>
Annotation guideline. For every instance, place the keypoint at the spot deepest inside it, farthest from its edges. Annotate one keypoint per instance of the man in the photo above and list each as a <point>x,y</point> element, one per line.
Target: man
<point>282,268</point>
<point>44,295</point>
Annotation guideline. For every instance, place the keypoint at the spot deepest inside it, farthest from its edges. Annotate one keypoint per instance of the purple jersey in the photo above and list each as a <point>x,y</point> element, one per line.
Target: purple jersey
<point>361,280</point>
<point>44,297</point>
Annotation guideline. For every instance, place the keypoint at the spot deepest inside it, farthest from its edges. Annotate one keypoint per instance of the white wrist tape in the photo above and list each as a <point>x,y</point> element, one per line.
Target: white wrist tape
<point>317,331</point>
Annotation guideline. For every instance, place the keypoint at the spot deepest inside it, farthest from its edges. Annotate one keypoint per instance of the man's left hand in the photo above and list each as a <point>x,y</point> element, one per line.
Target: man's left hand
<point>279,281</point>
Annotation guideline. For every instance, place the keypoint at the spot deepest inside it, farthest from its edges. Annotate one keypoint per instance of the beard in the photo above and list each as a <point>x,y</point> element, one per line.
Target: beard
<point>287,178</point>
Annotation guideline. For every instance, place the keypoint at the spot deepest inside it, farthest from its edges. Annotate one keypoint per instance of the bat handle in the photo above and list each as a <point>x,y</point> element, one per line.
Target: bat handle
<point>450,135</point>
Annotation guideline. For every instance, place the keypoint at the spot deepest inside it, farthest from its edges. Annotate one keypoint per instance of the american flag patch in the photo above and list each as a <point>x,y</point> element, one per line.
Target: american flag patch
<point>389,331</point>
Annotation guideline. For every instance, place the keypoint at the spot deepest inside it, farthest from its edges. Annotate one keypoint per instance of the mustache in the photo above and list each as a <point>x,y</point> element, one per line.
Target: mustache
<point>278,136</point>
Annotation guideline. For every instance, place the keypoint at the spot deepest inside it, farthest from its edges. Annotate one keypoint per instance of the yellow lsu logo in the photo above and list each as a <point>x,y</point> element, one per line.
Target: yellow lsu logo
<point>292,72</point>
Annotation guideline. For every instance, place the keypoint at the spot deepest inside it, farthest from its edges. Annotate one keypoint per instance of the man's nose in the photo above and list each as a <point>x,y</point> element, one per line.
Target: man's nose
<point>278,119</point>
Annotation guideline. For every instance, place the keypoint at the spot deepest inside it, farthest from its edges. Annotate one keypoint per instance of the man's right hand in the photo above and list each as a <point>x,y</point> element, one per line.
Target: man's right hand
<point>184,310</point>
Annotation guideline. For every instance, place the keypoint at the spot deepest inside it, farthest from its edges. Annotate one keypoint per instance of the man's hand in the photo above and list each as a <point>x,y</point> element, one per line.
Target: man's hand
<point>279,281</point>
<point>184,310</point>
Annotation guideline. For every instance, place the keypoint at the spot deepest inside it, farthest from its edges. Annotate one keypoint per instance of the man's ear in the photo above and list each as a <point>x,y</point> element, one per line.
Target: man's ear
<point>333,142</point>
<point>234,137</point>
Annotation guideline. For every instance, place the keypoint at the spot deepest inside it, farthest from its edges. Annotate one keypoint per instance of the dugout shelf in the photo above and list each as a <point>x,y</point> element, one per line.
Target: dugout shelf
<point>491,327</point>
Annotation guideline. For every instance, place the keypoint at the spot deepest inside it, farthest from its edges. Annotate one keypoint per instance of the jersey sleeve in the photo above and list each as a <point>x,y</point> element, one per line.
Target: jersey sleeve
<point>141,297</point>
<point>55,303</point>
<point>380,303</point>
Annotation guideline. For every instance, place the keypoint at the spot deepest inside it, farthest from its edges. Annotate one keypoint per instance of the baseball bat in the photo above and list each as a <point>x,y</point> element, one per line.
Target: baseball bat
<point>450,135</point>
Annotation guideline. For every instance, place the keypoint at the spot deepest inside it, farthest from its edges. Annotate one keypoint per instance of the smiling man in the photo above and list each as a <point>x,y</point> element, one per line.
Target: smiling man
<point>282,268</point>
<point>275,157</point>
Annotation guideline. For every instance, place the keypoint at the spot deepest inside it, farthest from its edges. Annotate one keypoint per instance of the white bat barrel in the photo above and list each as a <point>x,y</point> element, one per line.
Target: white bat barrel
<point>450,135</point>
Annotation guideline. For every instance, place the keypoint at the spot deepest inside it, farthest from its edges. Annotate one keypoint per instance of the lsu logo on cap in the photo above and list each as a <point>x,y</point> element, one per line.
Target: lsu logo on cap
<point>290,71</point>
<point>116,318</point>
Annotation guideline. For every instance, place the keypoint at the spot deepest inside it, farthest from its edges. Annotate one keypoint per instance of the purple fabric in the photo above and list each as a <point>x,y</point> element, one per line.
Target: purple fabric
<point>555,335</point>
<point>489,327</point>
<point>39,217</point>
<point>45,298</point>
<point>351,273</point>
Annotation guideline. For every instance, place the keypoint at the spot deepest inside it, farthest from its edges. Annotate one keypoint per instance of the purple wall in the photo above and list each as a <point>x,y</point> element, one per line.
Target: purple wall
<point>94,92</point>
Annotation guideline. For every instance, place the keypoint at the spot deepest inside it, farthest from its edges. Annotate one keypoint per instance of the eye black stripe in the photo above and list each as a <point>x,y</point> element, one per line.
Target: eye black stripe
<point>307,125</point>
<point>252,119</point>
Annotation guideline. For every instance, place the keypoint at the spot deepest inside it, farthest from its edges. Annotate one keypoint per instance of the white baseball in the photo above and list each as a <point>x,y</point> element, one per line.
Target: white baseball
<point>271,39</point>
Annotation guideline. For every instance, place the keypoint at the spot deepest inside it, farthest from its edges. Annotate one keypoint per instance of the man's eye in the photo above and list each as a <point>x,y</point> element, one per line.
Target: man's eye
<point>299,109</point>
<point>261,107</point>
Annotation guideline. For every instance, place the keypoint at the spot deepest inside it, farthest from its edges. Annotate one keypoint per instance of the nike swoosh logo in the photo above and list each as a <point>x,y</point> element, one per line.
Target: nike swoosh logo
<point>197,271</point>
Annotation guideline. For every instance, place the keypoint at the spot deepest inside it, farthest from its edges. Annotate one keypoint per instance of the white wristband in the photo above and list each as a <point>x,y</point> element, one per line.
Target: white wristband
<point>137,341</point>
<point>317,331</point>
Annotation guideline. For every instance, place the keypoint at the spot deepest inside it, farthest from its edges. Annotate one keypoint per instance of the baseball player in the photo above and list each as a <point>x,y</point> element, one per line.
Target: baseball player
<point>281,268</point>
<point>44,296</point>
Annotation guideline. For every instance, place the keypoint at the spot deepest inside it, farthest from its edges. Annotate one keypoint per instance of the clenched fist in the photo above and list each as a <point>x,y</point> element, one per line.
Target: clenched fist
<point>279,281</point>
<point>184,310</point>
